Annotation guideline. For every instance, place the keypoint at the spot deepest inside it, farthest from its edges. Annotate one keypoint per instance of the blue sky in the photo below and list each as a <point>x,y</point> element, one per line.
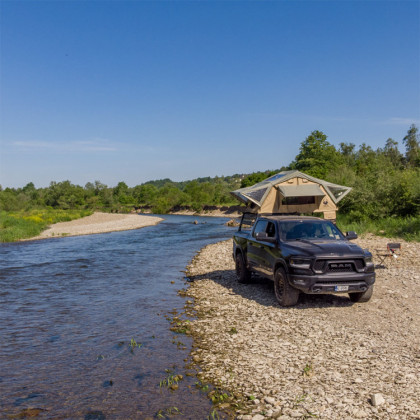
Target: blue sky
<point>139,90</point>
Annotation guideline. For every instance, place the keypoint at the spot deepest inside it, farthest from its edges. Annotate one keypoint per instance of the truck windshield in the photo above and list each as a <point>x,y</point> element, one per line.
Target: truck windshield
<point>292,230</point>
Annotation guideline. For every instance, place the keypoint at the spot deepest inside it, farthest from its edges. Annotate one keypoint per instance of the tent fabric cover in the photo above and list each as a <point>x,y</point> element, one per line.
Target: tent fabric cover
<point>300,191</point>
<point>256,194</point>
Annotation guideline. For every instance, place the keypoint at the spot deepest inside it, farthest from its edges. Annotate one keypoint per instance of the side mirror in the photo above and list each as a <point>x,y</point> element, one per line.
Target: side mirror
<point>263,237</point>
<point>351,235</point>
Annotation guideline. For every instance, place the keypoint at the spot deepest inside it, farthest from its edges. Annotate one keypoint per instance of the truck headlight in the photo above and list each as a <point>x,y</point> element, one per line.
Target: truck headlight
<point>369,266</point>
<point>303,263</point>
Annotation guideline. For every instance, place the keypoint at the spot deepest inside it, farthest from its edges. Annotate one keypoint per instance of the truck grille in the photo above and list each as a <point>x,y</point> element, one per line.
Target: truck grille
<point>319,265</point>
<point>347,266</point>
<point>341,267</point>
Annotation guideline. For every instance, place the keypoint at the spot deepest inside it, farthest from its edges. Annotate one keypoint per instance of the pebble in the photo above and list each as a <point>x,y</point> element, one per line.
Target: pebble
<point>377,399</point>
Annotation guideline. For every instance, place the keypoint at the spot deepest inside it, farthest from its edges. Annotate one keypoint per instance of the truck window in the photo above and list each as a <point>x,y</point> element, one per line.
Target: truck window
<point>311,229</point>
<point>271,230</point>
<point>261,226</point>
<point>247,222</point>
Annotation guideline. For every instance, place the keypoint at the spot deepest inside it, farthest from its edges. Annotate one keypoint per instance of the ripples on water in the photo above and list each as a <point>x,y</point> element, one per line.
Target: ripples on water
<point>69,308</point>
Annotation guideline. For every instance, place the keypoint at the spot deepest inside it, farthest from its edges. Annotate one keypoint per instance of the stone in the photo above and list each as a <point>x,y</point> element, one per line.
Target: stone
<point>270,400</point>
<point>359,414</point>
<point>377,399</point>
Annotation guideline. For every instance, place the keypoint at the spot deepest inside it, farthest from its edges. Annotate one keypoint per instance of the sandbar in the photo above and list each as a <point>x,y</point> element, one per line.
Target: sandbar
<point>98,222</point>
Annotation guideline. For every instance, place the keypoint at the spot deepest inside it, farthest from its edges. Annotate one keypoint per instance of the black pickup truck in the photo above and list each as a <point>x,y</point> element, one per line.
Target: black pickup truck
<point>302,254</point>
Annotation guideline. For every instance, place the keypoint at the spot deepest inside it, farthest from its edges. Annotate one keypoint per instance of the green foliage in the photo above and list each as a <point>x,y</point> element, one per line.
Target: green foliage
<point>26,224</point>
<point>317,156</point>
<point>412,147</point>
<point>159,196</point>
<point>407,228</point>
<point>256,177</point>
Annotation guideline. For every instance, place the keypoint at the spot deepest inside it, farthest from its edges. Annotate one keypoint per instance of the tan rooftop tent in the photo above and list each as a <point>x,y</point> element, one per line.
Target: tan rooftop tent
<point>293,192</point>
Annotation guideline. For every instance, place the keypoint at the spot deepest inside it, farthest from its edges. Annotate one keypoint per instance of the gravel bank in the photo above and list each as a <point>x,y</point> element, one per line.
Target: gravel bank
<point>326,357</point>
<point>98,223</point>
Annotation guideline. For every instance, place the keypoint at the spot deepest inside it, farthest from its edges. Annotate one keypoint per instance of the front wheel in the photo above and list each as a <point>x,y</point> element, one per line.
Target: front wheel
<point>242,273</point>
<point>361,296</point>
<point>286,295</point>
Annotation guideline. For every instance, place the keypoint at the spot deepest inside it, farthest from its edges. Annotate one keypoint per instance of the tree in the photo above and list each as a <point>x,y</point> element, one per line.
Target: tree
<point>317,157</point>
<point>392,152</point>
<point>256,177</point>
<point>412,147</point>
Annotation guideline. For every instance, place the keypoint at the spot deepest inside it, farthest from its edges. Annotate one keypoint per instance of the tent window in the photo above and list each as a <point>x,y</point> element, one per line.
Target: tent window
<point>297,201</point>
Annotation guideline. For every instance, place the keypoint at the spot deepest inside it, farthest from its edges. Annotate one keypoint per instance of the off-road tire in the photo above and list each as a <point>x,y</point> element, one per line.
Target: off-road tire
<point>362,296</point>
<point>243,275</point>
<point>286,295</point>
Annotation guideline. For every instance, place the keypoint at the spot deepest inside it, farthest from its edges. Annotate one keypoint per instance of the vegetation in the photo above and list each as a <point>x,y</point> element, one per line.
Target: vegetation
<point>385,197</point>
<point>159,196</point>
<point>26,224</point>
<point>407,228</point>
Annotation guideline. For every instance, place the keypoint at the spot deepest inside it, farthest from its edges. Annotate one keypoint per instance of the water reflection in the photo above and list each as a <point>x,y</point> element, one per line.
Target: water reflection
<point>70,308</point>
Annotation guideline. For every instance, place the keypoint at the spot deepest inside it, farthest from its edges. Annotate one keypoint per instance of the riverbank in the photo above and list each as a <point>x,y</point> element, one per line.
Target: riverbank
<point>326,357</point>
<point>97,223</point>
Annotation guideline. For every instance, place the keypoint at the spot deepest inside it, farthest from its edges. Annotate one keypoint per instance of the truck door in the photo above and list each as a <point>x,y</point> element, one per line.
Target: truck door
<point>268,251</point>
<point>254,253</point>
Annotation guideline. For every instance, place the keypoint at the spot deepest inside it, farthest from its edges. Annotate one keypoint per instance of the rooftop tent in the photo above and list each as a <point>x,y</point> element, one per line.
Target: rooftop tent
<point>293,192</point>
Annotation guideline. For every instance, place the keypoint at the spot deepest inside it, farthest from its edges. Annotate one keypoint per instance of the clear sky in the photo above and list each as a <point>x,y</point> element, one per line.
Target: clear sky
<point>140,90</point>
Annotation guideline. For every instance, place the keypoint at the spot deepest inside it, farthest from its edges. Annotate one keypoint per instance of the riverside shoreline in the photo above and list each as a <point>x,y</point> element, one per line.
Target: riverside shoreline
<point>326,357</point>
<point>98,222</point>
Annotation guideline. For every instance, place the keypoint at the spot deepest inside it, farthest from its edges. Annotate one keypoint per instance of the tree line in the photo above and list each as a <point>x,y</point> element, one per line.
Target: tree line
<point>386,183</point>
<point>160,196</point>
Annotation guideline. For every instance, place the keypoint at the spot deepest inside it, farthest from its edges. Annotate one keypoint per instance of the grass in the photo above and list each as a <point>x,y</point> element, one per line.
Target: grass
<point>392,227</point>
<point>133,344</point>
<point>27,224</point>
<point>171,381</point>
<point>308,369</point>
<point>168,413</point>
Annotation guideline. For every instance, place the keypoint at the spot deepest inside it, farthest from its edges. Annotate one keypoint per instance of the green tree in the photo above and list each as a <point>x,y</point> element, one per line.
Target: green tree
<point>317,157</point>
<point>391,151</point>
<point>256,177</point>
<point>412,147</point>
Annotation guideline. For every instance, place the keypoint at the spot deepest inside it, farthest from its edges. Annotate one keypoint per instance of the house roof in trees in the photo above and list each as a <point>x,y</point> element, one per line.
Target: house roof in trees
<point>256,194</point>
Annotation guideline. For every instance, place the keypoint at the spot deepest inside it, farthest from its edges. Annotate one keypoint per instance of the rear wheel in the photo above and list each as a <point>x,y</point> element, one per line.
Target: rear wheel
<point>243,275</point>
<point>361,296</point>
<point>286,295</point>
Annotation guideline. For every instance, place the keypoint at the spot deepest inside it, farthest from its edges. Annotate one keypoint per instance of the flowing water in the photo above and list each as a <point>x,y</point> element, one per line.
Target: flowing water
<point>70,308</point>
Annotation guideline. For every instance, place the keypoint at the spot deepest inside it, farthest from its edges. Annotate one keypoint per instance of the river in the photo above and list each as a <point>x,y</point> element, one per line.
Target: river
<point>84,332</point>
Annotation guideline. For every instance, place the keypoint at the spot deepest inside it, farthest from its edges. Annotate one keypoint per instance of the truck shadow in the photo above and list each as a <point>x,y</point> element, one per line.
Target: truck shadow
<point>261,290</point>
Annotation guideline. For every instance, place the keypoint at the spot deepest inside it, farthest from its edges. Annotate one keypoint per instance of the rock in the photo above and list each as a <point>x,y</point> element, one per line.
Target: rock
<point>359,414</point>
<point>270,400</point>
<point>377,399</point>
<point>258,417</point>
